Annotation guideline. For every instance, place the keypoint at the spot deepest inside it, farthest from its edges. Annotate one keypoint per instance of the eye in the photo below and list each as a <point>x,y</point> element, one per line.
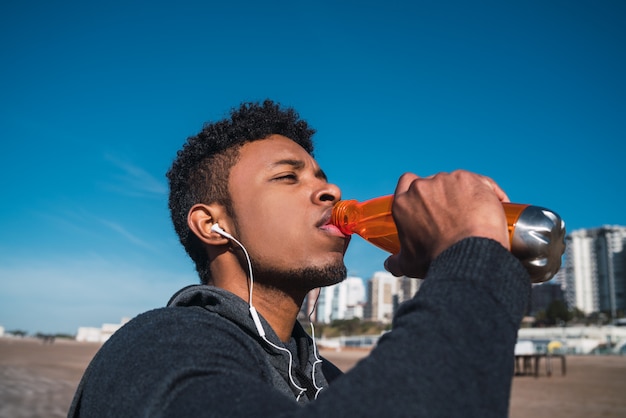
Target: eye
<point>289,177</point>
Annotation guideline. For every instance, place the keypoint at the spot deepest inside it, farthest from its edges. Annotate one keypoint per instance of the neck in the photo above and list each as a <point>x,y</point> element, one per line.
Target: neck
<point>279,307</point>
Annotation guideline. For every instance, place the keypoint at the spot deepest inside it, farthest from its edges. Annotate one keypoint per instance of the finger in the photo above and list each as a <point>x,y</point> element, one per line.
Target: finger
<point>500,193</point>
<point>502,196</point>
<point>405,182</point>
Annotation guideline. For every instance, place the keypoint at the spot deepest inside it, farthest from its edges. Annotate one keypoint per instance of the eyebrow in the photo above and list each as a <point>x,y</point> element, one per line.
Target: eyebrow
<point>299,165</point>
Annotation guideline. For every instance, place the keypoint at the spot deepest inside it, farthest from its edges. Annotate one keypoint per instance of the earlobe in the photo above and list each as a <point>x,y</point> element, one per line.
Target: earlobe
<point>201,218</point>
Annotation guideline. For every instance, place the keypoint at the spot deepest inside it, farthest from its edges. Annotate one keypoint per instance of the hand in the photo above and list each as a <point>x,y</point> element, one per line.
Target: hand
<point>434,213</point>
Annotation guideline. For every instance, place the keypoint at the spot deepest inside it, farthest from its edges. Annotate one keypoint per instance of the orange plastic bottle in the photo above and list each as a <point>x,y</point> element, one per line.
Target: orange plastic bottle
<point>372,220</point>
<point>539,244</point>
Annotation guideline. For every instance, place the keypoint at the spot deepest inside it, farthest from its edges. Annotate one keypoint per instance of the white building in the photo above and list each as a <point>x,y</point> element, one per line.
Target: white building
<point>383,291</point>
<point>342,301</point>
<point>324,307</point>
<point>595,269</point>
<point>348,299</point>
<point>578,339</point>
<point>98,335</point>
<point>408,288</point>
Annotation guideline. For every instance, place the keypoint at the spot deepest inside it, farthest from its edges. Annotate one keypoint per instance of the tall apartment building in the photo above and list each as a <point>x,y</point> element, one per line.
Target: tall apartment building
<point>408,288</point>
<point>382,296</point>
<point>595,269</point>
<point>344,300</point>
<point>349,299</point>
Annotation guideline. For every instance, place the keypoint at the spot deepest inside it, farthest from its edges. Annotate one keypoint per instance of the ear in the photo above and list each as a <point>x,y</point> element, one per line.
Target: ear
<point>201,218</point>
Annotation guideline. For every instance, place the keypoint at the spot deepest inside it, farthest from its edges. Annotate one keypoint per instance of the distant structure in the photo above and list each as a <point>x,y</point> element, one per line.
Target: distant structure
<point>592,279</point>
<point>382,296</point>
<point>595,270</point>
<point>385,293</point>
<point>408,288</point>
<point>98,335</point>
<point>348,299</point>
<point>376,300</point>
<point>344,300</point>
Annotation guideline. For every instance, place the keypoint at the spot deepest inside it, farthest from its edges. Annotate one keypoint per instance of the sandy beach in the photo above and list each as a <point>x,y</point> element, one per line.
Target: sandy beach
<point>38,380</point>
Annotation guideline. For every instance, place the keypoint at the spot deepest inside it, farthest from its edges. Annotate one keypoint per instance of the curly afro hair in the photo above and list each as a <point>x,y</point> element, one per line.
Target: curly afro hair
<point>201,169</point>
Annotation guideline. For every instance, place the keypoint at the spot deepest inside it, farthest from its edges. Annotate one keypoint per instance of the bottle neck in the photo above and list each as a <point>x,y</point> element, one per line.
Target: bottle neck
<point>344,215</point>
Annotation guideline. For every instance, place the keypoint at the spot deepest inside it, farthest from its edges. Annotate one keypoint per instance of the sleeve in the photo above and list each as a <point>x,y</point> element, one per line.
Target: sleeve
<point>451,350</point>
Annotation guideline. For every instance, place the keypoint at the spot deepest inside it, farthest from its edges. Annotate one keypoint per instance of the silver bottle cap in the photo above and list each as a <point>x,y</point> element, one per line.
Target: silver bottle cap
<point>539,242</point>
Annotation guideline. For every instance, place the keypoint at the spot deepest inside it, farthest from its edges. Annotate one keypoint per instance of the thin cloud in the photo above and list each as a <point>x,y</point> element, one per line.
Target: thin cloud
<point>80,223</point>
<point>135,181</point>
<point>68,220</point>
<point>126,234</point>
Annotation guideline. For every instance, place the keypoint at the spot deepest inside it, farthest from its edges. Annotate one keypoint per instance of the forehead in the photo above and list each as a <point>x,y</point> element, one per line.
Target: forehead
<point>266,154</point>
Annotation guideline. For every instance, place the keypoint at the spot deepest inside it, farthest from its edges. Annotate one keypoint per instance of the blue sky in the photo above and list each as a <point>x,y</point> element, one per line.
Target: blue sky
<point>97,97</point>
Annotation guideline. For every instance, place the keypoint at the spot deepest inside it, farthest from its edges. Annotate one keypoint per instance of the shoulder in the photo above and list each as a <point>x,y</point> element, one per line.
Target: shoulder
<point>160,343</point>
<point>163,347</point>
<point>179,331</point>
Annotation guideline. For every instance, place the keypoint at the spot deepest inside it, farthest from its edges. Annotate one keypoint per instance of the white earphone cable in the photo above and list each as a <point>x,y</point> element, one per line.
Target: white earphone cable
<point>259,326</point>
<point>315,353</point>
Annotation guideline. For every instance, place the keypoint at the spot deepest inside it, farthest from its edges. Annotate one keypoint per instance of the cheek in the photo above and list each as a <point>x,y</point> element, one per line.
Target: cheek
<point>279,245</point>
<point>266,234</point>
<point>263,220</point>
<point>275,233</point>
<point>279,238</point>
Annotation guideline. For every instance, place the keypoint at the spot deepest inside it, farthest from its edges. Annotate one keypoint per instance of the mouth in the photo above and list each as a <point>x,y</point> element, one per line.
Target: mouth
<point>325,225</point>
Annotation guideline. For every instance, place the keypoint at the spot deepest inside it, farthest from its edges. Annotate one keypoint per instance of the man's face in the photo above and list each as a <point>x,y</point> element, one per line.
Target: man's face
<point>282,203</point>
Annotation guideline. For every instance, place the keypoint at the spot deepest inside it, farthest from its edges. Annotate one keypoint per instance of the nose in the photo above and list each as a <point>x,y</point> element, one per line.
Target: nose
<point>328,193</point>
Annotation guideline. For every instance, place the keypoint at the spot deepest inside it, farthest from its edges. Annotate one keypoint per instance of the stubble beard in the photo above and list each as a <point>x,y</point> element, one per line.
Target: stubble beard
<point>302,278</point>
<point>298,279</point>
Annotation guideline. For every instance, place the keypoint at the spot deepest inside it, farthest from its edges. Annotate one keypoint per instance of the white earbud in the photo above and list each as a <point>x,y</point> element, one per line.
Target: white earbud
<point>216,228</point>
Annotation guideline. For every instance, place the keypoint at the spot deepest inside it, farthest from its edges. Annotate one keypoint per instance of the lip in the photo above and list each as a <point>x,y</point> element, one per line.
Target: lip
<point>325,219</point>
<point>324,224</point>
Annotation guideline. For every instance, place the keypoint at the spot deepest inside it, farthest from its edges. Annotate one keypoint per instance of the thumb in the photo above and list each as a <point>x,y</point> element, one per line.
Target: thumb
<point>395,265</point>
<point>392,265</point>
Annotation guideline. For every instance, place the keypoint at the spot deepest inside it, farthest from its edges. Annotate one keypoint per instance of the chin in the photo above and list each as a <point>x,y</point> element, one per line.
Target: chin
<point>306,276</point>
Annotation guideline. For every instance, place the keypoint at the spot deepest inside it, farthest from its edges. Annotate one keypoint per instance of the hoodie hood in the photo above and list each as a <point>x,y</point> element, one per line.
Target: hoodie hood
<point>236,310</point>
<point>223,303</point>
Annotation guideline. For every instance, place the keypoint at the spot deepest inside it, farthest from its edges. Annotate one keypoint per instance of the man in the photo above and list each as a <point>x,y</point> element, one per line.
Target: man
<point>251,207</point>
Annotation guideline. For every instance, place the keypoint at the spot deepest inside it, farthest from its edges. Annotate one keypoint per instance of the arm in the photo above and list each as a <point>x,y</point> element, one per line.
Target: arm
<point>451,349</point>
